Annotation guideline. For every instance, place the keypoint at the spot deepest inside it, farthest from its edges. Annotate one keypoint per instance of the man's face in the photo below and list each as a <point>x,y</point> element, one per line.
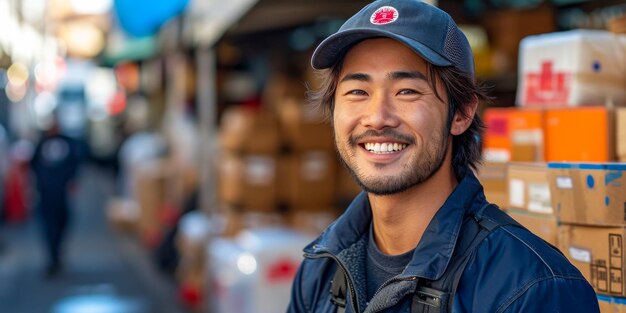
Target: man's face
<point>390,126</point>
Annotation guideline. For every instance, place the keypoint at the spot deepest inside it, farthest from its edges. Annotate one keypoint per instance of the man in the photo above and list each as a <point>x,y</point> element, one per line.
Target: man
<point>398,84</point>
<point>54,164</point>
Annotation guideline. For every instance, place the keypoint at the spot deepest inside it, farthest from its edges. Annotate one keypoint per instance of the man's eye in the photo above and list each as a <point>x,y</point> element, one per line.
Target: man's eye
<point>356,92</point>
<point>407,92</point>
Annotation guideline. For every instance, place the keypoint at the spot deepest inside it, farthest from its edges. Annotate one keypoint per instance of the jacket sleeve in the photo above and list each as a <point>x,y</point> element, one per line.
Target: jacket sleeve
<point>556,294</point>
<point>296,304</point>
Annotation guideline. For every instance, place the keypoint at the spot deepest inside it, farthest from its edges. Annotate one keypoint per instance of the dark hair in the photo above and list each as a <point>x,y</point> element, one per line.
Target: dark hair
<point>461,90</point>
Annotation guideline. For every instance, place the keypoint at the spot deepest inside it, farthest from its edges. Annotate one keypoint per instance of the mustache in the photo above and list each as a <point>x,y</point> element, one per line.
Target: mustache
<point>387,132</point>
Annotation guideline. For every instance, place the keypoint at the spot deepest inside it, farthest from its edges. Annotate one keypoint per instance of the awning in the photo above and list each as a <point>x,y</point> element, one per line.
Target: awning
<point>207,21</point>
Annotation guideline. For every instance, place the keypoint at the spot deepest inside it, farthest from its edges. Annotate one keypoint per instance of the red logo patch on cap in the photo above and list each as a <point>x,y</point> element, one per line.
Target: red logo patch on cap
<point>384,15</point>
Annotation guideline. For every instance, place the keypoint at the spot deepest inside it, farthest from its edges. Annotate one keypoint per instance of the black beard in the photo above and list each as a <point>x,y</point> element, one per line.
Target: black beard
<point>415,173</point>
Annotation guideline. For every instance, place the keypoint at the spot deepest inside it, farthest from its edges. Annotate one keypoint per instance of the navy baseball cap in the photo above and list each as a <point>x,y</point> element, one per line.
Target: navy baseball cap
<point>426,29</point>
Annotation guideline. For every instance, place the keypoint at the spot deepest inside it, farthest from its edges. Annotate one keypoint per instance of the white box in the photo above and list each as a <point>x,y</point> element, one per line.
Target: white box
<point>572,68</point>
<point>253,272</point>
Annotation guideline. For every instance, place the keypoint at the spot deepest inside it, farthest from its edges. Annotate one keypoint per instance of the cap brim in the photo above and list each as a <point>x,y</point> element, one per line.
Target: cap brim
<point>326,53</point>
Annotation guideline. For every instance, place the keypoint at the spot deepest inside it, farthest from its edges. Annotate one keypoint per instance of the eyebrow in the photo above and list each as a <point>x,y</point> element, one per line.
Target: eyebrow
<point>406,75</point>
<point>392,76</point>
<point>356,76</point>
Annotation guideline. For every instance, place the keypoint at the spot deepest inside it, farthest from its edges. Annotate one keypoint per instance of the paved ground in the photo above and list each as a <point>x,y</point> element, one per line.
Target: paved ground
<point>105,272</point>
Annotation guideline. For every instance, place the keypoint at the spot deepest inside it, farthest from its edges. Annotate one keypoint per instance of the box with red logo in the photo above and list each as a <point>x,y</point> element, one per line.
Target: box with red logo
<point>572,68</point>
<point>253,272</point>
<point>513,134</point>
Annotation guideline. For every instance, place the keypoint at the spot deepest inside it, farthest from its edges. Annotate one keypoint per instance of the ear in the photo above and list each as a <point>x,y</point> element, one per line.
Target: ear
<point>461,122</point>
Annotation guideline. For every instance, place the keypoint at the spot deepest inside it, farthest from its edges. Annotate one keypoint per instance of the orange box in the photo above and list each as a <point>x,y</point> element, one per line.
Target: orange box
<point>513,134</point>
<point>581,134</point>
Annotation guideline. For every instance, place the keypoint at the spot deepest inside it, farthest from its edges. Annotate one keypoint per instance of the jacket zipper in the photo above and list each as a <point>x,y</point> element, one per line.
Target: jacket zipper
<point>353,295</point>
<point>392,280</point>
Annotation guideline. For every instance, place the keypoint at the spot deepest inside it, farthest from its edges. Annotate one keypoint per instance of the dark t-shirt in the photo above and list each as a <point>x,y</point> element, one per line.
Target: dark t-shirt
<point>382,267</point>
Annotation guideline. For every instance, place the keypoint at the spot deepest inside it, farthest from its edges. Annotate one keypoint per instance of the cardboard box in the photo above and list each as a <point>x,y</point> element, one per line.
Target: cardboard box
<point>304,129</point>
<point>617,24</point>
<point>494,180</point>
<point>572,68</point>
<point>603,193</point>
<point>610,304</point>
<point>150,189</point>
<point>598,252</point>
<point>620,126</point>
<point>584,134</point>
<point>248,181</point>
<point>542,225</point>
<point>311,178</point>
<point>254,271</point>
<point>563,184</point>
<point>123,214</point>
<point>249,131</point>
<point>513,134</point>
<point>528,187</point>
<point>596,197</point>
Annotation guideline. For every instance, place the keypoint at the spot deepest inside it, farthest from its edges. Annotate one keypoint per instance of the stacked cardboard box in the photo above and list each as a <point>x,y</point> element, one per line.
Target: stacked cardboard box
<point>513,135</point>
<point>248,171</point>
<point>150,193</point>
<point>582,134</point>
<point>591,205</point>
<point>493,177</point>
<point>309,170</point>
<point>612,304</point>
<point>572,68</point>
<point>280,162</point>
<point>620,127</point>
<point>309,159</point>
<point>569,86</point>
<point>529,200</point>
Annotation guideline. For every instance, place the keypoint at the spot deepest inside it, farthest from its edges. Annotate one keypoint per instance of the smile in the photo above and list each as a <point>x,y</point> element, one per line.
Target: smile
<point>386,147</point>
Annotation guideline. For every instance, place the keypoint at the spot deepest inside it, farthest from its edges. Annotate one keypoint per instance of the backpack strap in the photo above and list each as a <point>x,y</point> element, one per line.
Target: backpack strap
<point>437,296</point>
<point>338,290</point>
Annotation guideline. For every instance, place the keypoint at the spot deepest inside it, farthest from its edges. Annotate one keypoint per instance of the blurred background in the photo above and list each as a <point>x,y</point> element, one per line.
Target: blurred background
<point>158,156</point>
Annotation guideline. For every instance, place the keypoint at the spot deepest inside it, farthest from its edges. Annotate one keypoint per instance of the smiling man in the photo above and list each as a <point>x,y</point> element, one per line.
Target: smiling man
<point>399,88</point>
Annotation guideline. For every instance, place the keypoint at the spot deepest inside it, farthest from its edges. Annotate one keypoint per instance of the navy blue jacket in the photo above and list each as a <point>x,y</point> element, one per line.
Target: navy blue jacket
<point>511,271</point>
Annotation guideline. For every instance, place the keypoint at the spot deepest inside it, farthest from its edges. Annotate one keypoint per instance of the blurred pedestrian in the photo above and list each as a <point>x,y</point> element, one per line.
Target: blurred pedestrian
<point>54,164</point>
<point>398,84</point>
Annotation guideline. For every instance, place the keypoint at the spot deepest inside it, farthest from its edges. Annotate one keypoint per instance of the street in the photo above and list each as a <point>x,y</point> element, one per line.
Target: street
<point>104,271</point>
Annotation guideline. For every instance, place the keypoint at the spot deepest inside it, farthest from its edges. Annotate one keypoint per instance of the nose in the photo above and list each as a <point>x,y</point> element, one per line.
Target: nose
<point>379,113</point>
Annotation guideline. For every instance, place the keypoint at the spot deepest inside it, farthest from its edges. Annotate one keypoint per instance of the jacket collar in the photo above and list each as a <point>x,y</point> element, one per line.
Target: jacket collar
<point>432,254</point>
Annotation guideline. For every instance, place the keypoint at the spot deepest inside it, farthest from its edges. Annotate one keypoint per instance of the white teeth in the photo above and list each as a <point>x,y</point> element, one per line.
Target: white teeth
<point>384,147</point>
